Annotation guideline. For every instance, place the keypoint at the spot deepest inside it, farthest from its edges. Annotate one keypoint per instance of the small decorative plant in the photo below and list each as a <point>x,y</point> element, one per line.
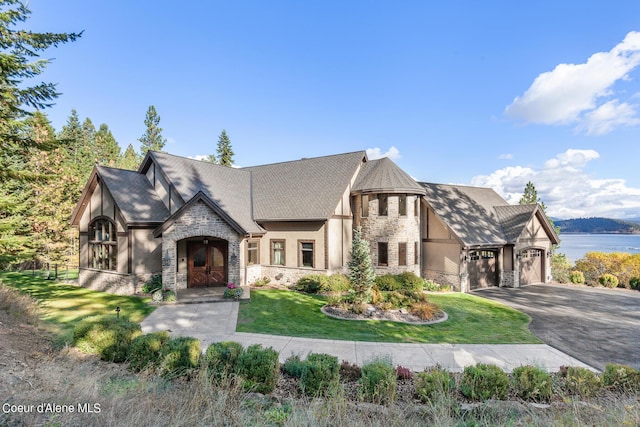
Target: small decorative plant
<point>233,291</point>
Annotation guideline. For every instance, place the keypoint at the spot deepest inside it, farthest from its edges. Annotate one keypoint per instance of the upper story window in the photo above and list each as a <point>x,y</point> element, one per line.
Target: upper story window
<point>103,246</point>
<point>365,206</point>
<point>383,204</point>
<point>402,204</point>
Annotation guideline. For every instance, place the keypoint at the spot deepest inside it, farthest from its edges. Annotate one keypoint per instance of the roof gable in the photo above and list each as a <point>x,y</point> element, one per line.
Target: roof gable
<point>302,190</point>
<point>515,219</point>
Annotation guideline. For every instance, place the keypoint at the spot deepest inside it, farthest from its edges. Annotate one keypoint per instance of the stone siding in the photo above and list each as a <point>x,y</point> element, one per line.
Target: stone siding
<point>288,275</point>
<point>509,279</point>
<point>443,278</point>
<point>198,221</point>
<point>112,282</point>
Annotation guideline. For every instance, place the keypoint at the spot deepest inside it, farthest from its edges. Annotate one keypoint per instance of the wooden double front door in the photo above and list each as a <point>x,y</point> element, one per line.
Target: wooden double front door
<point>207,263</point>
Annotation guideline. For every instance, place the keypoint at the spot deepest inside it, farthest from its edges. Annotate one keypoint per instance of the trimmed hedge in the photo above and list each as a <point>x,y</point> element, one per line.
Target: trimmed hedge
<point>533,384</point>
<point>320,375</point>
<point>483,381</point>
<point>379,382</point>
<point>145,351</point>
<point>180,357</point>
<point>259,368</point>
<point>107,336</point>
<point>323,284</point>
<point>221,358</point>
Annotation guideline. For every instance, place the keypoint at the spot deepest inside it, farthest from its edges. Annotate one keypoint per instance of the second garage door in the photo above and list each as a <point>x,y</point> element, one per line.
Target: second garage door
<point>531,266</point>
<point>482,269</point>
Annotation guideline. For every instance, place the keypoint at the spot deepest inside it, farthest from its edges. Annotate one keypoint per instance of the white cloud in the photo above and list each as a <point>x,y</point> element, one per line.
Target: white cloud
<point>582,93</point>
<point>565,188</point>
<point>376,153</point>
<point>199,157</point>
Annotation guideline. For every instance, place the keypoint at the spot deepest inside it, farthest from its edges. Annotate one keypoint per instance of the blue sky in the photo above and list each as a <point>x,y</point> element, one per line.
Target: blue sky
<point>476,93</point>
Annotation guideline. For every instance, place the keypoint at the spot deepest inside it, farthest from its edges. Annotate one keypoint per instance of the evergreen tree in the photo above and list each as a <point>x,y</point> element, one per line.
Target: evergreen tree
<point>77,143</point>
<point>211,158</point>
<point>106,148</point>
<point>152,138</point>
<point>530,196</point>
<point>19,61</point>
<point>225,152</point>
<point>361,273</point>
<point>130,159</point>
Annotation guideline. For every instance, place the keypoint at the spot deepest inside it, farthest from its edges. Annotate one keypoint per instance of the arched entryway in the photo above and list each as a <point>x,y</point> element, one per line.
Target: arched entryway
<point>207,262</point>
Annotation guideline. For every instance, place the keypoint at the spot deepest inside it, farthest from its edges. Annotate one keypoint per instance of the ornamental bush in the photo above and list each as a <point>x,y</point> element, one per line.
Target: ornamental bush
<point>577,277</point>
<point>259,368</point>
<point>145,351</point>
<point>634,283</point>
<point>410,281</point>
<point>320,375</point>
<point>388,283</point>
<point>582,381</point>
<point>621,378</point>
<point>153,285</point>
<point>221,357</point>
<point>378,383</point>
<point>180,357</point>
<point>532,384</point>
<point>293,366</point>
<point>608,280</point>
<point>433,383</point>
<point>107,336</point>
<point>483,381</point>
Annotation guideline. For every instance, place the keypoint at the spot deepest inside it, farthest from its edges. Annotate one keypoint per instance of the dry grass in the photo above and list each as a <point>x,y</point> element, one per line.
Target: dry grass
<point>19,305</point>
<point>425,310</point>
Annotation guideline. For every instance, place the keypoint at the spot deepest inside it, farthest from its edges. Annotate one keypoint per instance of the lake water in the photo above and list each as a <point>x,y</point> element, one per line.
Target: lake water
<point>575,246</point>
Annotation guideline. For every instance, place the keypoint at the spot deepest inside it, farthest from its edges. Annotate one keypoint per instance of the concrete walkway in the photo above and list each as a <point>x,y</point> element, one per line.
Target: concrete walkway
<point>213,322</point>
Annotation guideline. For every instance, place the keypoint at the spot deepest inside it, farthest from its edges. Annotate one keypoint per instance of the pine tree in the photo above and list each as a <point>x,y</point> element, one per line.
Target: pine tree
<point>130,159</point>
<point>530,196</point>
<point>361,273</point>
<point>225,152</point>
<point>152,138</point>
<point>106,148</point>
<point>19,62</point>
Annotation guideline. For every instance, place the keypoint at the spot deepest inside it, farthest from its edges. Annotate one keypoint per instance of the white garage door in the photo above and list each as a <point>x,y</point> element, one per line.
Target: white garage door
<point>531,266</point>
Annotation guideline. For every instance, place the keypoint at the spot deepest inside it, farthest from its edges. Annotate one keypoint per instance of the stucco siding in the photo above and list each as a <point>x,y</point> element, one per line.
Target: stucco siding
<point>146,252</point>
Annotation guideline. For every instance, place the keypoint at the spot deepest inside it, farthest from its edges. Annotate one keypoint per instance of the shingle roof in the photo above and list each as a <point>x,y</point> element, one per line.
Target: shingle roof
<point>229,188</point>
<point>468,211</point>
<point>307,189</point>
<point>384,176</point>
<point>134,195</point>
<point>514,218</point>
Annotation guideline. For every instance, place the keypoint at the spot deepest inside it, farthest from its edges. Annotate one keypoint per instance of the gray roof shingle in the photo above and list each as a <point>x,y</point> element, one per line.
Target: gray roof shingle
<point>307,189</point>
<point>514,218</point>
<point>134,195</point>
<point>384,176</point>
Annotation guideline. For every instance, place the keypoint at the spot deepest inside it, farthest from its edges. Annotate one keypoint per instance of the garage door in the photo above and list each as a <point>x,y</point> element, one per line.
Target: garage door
<point>482,269</point>
<point>531,266</point>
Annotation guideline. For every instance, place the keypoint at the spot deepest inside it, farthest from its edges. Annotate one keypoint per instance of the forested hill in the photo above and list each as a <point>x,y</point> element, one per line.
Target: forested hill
<point>597,225</point>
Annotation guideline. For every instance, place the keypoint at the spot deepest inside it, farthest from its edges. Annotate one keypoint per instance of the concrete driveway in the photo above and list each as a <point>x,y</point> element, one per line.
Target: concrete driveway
<point>595,326</point>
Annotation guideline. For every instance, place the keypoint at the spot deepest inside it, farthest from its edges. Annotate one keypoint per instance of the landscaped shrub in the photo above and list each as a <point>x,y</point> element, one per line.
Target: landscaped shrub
<point>310,284</point>
<point>220,358</point>
<point>169,296</point>
<point>388,283</point>
<point>259,368</point>
<point>397,299</point>
<point>433,382</point>
<point>482,382</point>
<point>321,375</point>
<point>577,277</point>
<point>561,268</point>
<point>153,285</point>
<point>335,283</point>
<point>410,281</point>
<point>106,336</point>
<point>634,283</point>
<point>157,296</point>
<point>582,381</point>
<point>431,286</point>
<point>180,356</point>
<point>233,291</point>
<point>425,310</point>
<point>621,378</point>
<point>532,383</point>
<point>145,350</point>
<point>350,371</point>
<point>608,280</point>
<point>378,383</point>
<point>264,281</point>
<point>293,366</point>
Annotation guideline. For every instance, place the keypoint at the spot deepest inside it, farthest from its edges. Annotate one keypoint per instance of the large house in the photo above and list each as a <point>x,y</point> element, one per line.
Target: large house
<point>201,224</point>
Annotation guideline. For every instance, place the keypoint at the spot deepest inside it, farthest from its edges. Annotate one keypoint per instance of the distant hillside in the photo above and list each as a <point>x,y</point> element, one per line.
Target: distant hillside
<point>597,226</point>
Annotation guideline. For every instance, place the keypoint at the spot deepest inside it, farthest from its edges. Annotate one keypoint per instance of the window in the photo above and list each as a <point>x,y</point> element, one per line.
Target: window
<point>253,254</point>
<point>402,253</point>
<point>416,206</point>
<point>365,206</point>
<point>402,204</point>
<point>305,256</point>
<point>416,253</point>
<point>383,253</point>
<point>382,204</point>
<point>277,252</point>
<point>103,247</point>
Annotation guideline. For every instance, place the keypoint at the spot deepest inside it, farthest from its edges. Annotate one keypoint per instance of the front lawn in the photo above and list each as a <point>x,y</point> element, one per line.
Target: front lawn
<point>64,305</point>
<point>472,320</point>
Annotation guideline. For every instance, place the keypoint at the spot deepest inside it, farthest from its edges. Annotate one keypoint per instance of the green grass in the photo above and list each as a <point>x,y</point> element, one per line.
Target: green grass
<point>63,305</point>
<point>472,320</point>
